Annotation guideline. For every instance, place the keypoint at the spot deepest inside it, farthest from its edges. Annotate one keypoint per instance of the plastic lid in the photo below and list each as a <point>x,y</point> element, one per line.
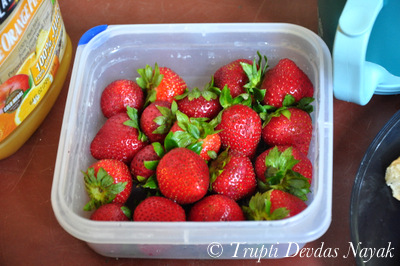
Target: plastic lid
<point>88,35</point>
<point>355,79</point>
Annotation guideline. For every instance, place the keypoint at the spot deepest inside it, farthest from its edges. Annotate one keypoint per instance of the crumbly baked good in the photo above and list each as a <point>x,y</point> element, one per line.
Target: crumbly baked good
<point>392,178</point>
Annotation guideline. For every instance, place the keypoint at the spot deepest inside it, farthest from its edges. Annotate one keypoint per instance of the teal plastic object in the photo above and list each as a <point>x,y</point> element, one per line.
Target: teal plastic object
<point>366,50</point>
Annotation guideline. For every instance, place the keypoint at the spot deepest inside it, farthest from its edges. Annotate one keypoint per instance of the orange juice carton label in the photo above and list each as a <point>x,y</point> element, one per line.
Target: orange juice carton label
<point>32,45</point>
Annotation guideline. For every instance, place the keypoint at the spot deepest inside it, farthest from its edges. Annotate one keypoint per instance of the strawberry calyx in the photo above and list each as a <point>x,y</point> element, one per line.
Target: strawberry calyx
<point>134,122</point>
<point>209,92</point>
<point>217,166</point>
<point>100,188</point>
<point>227,100</point>
<point>267,116</point>
<point>192,134</point>
<point>259,208</point>
<point>149,79</point>
<point>166,119</point>
<point>127,212</point>
<point>303,104</point>
<point>255,74</point>
<point>151,181</point>
<point>280,174</point>
<point>289,101</point>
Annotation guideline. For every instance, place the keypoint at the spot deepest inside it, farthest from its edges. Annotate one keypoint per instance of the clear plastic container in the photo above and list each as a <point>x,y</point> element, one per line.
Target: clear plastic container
<point>35,55</point>
<point>106,53</point>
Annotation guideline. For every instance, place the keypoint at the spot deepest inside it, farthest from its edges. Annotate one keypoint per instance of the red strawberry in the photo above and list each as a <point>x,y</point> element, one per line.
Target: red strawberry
<point>284,168</point>
<point>216,208</point>
<point>161,84</point>
<point>119,138</point>
<point>210,147</point>
<point>233,76</point>
<point>195,134</point>
<point>196,103</point>
<point>112,212</point>
<point>145,162</point>
<point>183,176</point>
<point>118,95</point>
<point>288,126</point>
<point>273,205</point>
<point>106,181</point>
<point>286,78</point>
<point>158,209</point>
<point>240,129</point>
<point>232,175</point>
<point>157,119</point>
<point>12,90</point>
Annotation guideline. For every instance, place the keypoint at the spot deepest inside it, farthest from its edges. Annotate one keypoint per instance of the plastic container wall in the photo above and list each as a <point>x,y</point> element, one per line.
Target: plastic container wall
<point>194,51</point>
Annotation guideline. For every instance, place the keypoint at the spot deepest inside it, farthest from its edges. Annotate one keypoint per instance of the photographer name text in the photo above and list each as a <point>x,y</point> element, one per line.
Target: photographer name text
<point>242,250</point>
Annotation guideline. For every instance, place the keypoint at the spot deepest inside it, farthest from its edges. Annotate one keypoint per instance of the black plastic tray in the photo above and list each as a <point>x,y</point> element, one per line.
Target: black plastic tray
<point>374,212</point>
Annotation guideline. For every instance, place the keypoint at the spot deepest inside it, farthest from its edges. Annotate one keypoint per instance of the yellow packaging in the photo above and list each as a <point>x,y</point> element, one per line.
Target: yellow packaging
<point>35,54</point>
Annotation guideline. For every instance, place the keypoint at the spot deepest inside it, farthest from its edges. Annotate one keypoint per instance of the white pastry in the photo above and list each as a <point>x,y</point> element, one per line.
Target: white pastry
<point>392,178</point>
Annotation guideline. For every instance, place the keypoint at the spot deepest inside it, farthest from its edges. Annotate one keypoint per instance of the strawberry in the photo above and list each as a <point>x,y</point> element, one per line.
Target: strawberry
<point>195,134</point>
<point>273,205</point>
<point>284,168</point>
<point>288,126</point>
<point>240,129</point>
<point>303,166</point>
<point>119,94</point>
<point>182,176</point>
<point>286,78</point>
<point>233,76</point>
<point>106,181</point>
<point>210,147</point>
<point>161,84</point>
<point>144,163</point>
<point>157,119</point>
<point>232,175</point>
<point>112,212</point>
<point>196,103</point>
<point>12,92</point>
<point>119,138</point>
<point>159,209</point>
<point>216,208</point>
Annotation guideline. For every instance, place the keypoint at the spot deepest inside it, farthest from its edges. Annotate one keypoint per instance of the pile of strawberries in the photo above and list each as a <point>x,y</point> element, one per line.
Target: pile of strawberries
<point>234,150</point>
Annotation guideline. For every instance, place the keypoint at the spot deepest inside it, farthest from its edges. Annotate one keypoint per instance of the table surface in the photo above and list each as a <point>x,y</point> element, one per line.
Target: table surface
<point>29,231</point>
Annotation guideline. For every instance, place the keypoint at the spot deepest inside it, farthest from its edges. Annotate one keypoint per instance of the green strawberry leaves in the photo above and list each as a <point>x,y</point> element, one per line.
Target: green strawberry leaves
<point>255,73</point>
<point>158,149</point>
<point>280,174</point>
<point>226,99</point>
<point>134,122</point>
<point>193,132</point>
<point>305,104</point>
<point>166,119</point>
<point>100,188</point>
<point>127,212</point>
<point>266,112</point>
<point>259,208</point>
<point>209,92</point>
<point>148,80</point>
<point>151,182</point>
<point>217,166</point>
